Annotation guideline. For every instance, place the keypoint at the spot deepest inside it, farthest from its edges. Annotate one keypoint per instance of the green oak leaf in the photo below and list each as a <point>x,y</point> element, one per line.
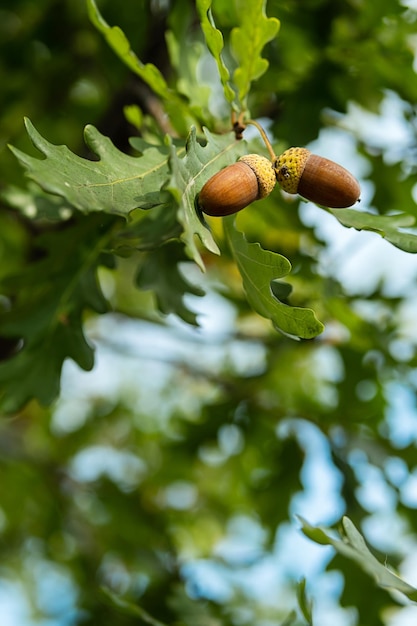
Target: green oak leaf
<point>259,268</point>
<point>147,230</point>
<point>117,183</point>
<point>48,298</point>
<point>35,204</point>
<point>352,545</point>
<point>119,43</point>
<point>35,370</point>
<point>247,42</point>
<point>388,226</point>
<point>187,60</point>
<point>178,110</point>
<point>215,44</point>
<point>188,175</point>
<point>160,272</point>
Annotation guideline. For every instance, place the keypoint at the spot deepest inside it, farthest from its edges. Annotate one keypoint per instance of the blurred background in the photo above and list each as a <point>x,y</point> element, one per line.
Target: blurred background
<point>170,477</point>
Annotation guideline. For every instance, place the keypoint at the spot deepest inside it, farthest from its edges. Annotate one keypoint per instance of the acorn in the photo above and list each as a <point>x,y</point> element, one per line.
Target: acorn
<point>316,178</point>
<point>236,186</point>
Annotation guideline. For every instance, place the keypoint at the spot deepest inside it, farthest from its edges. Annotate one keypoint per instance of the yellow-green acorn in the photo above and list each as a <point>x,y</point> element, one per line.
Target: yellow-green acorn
<point>236,186</point>
<point>315,178</point>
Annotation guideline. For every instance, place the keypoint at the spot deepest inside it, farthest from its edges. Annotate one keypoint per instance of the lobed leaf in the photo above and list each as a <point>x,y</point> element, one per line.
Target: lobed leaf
<point>178,109</point>
<point>247,42</point>
<point>353,546</point>
<point>35,204</point>
<point>116,183</point>
<point>259,269</point>
<point>388,226</point>
<point>160,272</point>
<point>188,175</point>
<point>186,61</point>
<point>47,301</point>
<point>147,230</point>
<point>119,43</point>
<point>215,44</point>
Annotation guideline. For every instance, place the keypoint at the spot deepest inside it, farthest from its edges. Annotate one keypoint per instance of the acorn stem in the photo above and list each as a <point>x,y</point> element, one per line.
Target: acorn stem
<point>238,125</point>
<point>264,137</point>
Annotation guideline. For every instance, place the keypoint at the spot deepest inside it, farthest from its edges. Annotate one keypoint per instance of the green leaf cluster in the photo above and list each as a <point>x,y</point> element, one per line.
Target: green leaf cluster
<point>247,41</point>
<point>166,178</point>
<point>114,183</point>
<point>43,311</point>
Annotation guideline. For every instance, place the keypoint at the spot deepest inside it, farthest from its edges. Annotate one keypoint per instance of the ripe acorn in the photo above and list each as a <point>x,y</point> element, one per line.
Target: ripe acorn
<point>316,178</point>
<point>236,186</point>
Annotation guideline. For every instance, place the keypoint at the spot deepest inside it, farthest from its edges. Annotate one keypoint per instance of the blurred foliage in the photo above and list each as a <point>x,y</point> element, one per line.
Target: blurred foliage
<point>160,487</point>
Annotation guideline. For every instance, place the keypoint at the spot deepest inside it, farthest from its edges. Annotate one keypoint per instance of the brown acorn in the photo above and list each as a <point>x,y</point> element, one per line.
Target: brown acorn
<point>315,178</point>
<point>236,186</point>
